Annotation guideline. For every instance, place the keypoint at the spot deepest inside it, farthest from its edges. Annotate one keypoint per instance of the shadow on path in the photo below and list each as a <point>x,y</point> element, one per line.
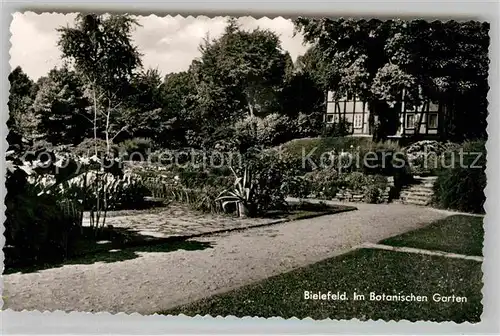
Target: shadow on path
<point>116,254</point>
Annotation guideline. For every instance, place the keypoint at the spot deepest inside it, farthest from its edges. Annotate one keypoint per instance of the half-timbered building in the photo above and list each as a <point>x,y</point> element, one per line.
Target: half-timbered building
<point>425,120</point>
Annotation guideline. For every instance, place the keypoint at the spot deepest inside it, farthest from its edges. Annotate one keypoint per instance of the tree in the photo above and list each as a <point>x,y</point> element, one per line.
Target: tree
<point>379,60</point>
<point>142,108</point>
<point>62,108</point>
<point>303,90</point>
<point>22,122</point>
<point>239,74</point>
<point>101,50</point>
<point>182,110</point>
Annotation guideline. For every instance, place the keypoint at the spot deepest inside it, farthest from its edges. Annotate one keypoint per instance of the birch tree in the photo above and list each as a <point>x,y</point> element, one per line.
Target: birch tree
<point>100,49</point>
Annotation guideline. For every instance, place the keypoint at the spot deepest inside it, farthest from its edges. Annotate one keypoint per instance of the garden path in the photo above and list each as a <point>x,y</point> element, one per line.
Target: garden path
<point>176,220</point>
<point>149,282</point>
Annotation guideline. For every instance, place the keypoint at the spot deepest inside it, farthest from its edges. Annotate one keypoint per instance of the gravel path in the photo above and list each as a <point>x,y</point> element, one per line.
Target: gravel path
<point>178,220</point>
<point>153,281</point>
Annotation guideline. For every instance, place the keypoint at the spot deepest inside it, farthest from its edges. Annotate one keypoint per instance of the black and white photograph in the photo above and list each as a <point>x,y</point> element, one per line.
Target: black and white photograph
<point>300,167</point>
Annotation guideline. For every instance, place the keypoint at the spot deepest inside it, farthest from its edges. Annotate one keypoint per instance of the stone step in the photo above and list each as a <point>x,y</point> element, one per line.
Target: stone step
<point>422,185</point>
<point>426,178</point>
<point>416,198</point>
<point>418,186</point>
<point>421,203</point>
<point>415,202</point>
<point>416,193</point>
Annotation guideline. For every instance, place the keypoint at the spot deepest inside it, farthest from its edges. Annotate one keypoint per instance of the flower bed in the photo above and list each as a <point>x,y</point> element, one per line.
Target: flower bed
<point>352,187</point>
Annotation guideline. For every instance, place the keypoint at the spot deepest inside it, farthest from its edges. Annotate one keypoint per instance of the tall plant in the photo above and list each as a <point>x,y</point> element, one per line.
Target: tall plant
<point>101,50</point>
<point>242,195</point>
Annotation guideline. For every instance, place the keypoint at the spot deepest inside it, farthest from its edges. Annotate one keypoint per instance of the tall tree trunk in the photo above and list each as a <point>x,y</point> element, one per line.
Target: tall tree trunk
<point>95,117</point>
<point>420,120</point>
<point>107,129</point>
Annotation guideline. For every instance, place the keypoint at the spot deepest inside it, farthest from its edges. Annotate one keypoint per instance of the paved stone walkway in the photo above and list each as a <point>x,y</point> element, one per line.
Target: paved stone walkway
<point>147,282</point>
<point>422,251</point>
<point>178,220</point>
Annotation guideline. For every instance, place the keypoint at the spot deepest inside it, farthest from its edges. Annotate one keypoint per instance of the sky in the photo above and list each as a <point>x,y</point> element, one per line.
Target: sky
<point>167,43</point>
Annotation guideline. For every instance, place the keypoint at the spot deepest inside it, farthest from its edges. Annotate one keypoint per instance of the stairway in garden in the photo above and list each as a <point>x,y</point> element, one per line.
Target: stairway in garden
<point>419,193</point>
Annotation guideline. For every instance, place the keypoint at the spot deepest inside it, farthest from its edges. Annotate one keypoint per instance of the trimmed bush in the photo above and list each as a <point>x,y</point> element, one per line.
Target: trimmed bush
<point>323,183</point>
<point>427,156</point>
<point>462,188</point>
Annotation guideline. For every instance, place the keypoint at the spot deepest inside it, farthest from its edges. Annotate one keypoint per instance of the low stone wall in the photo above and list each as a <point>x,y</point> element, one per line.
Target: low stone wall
<point>349,195</point>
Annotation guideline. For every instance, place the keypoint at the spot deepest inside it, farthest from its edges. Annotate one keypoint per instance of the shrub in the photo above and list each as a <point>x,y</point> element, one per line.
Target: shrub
<point>308,125</point>
<point>206,199</point>
<point>339,129</point>
<point>87,148</point>
<point>38,226</point>
<point>190,185</point>
<point>271,179</point>
<point>426,157</point>
<point>246,133</point>
<point>402,176</point>
<point>203,199</point>
<point>462,188</point>
<point>355,181</point>
<point>270,176</point>
<point>136,149</point>
<point>196,139</point>
<point>323,183</point>
<point>262,132</point>
<point>273,129</point>
<point>373,194</point>
<point>310,150</point>
<point>298,186</point>
<point>243,194</point>
<point>373,186</point>
<point>222,138</point>
<point>118,192</point>
<point>192,178</point>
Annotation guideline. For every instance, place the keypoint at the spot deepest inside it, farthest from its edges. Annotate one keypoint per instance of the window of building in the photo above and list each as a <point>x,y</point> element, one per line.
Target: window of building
<point>358,121</point>
<point>433,107</point>
<point>410,120</point>
<point>329,118</point>
<point>433,120</point>
<point>359,106</point>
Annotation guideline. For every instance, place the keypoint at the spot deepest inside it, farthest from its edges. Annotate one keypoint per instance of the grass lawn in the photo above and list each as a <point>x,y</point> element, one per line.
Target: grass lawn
<point>297,146</point>
<point>457,234</point>
<point>362,271</point>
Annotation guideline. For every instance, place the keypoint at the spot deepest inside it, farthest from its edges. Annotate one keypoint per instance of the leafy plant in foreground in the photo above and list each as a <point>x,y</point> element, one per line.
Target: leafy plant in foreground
<point>242,195</point>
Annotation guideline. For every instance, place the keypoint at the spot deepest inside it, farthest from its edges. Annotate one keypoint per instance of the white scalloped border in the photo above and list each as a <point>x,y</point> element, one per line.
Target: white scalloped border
<point>489,205</point>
